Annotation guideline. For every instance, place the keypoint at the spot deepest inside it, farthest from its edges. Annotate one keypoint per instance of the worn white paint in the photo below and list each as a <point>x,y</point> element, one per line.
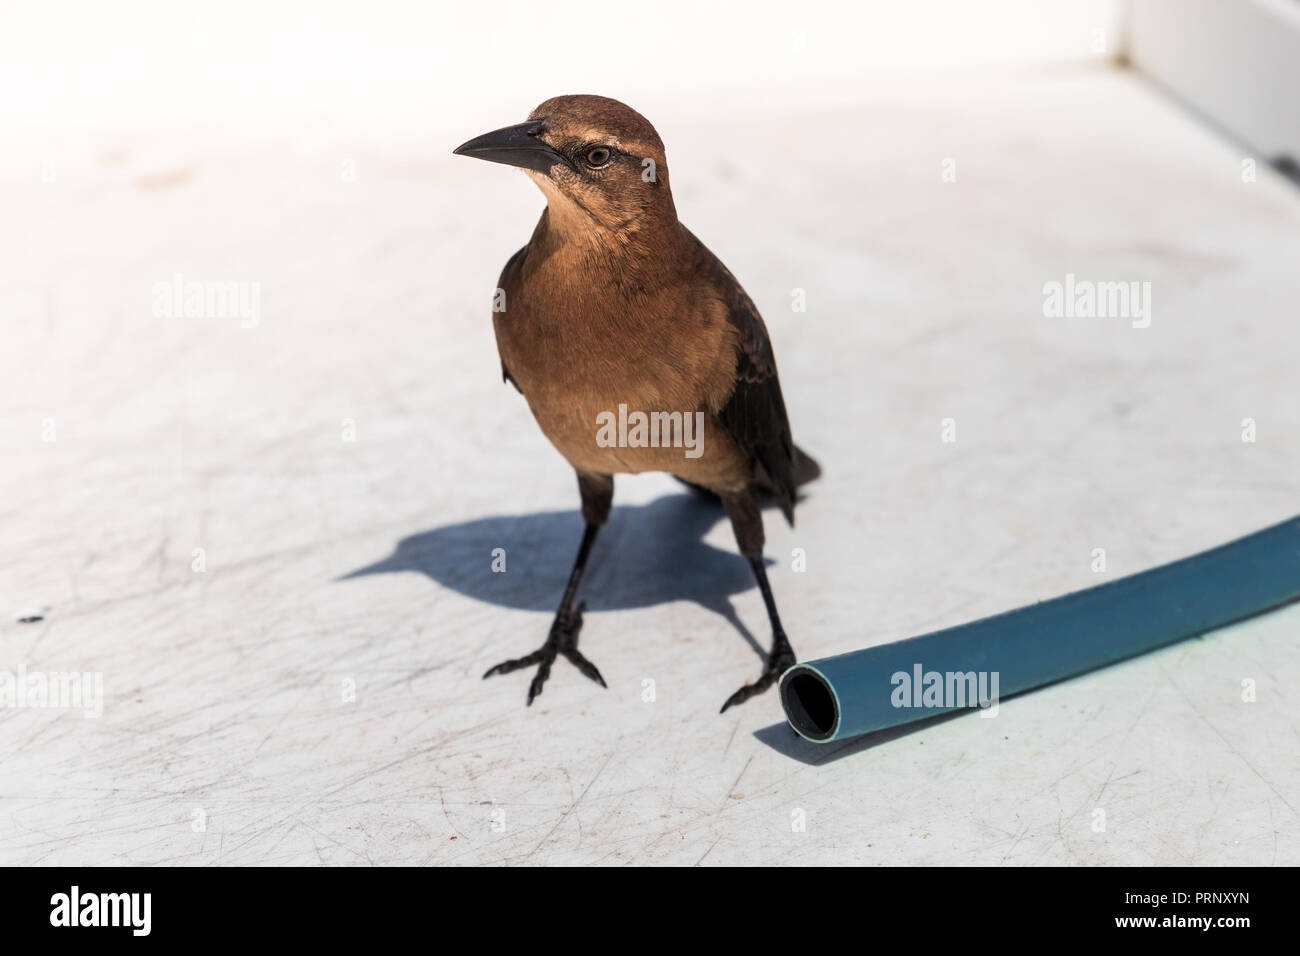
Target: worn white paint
<point>225,688</point>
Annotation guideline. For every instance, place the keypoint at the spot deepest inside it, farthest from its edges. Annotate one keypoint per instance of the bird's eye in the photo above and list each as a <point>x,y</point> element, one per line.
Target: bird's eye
<point>599,156</point>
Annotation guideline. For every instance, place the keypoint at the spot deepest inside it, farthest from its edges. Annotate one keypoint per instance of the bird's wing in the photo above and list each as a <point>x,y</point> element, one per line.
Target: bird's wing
<point>505,282</point>
<point>754,415</point>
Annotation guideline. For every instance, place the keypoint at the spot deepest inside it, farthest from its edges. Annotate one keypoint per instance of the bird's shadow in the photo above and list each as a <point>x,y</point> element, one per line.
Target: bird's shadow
<point>646,555</point>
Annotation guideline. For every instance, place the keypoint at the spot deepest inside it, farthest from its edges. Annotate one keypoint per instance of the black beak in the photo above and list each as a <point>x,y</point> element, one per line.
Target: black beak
<point>514,146</point>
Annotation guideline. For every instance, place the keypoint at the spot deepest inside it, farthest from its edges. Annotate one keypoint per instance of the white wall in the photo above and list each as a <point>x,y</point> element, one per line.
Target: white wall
<point>71,65</point>
<point>1236,62</point>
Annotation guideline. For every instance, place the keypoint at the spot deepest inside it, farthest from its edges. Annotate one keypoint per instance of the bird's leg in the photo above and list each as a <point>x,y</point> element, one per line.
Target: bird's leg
<point>747,522</point>
<point>563,636</point>
<point>597,495</point>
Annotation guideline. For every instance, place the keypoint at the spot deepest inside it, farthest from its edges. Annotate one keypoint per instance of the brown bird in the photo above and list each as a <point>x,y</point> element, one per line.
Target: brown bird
<point>614,314</point>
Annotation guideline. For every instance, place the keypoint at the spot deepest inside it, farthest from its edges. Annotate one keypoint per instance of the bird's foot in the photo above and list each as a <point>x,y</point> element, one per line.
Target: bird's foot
<point>562,640</point>
<point>780,660</point>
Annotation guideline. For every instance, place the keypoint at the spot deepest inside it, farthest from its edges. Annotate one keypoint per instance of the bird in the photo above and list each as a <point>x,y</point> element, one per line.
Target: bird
<point>615,317</point>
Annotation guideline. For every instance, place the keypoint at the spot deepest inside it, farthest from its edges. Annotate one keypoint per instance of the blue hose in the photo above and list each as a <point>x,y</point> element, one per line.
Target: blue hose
<point>975,664</point>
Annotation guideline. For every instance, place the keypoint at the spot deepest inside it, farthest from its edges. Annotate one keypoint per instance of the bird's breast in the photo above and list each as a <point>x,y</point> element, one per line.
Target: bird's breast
<point>621,385</point>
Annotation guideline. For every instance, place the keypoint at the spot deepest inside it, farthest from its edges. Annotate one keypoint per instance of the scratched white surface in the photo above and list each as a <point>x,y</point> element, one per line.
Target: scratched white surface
<point>224,688</point>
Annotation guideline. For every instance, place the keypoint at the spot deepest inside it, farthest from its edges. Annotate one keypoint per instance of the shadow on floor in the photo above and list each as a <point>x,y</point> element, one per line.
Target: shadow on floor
<point>782,738</point>
<point>646,555</point>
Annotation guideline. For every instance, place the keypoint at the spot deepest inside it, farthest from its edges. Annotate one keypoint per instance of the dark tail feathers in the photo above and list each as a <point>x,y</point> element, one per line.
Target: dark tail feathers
<point>806,469</point>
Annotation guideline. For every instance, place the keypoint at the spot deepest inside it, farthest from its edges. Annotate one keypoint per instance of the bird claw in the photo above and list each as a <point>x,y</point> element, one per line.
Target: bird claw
<point>561,641</point>
<point>780,661</point>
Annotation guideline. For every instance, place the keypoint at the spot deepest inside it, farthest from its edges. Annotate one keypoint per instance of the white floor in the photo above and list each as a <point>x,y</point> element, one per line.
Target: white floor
<point>226,735</point>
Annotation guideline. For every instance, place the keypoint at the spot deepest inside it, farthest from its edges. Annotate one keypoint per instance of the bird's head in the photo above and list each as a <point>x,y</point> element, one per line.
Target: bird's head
<point>598,161</point>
